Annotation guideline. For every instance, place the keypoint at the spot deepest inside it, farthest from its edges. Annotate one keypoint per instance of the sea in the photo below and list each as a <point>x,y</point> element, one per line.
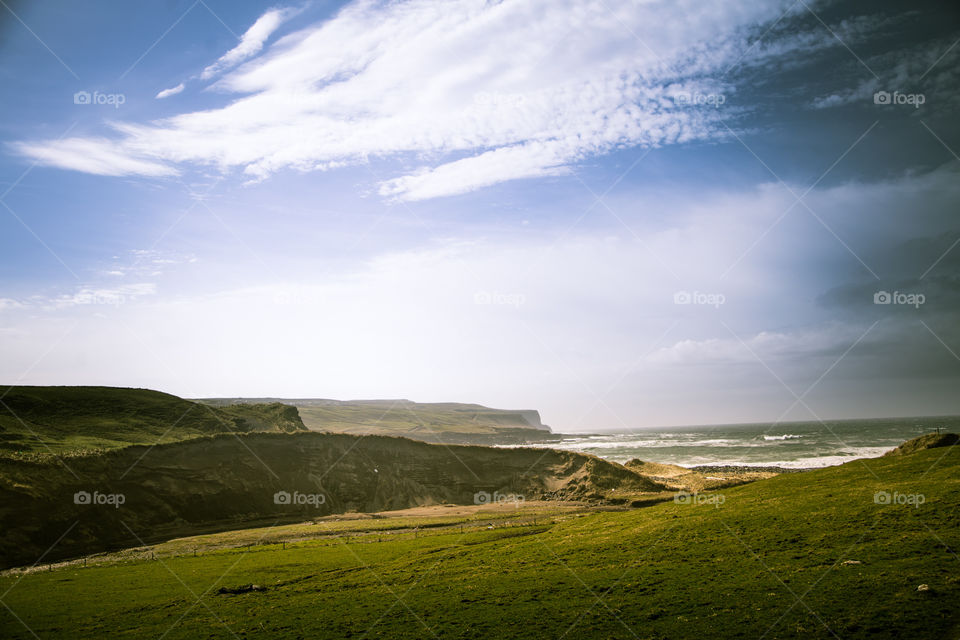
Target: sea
<point>794,445</point>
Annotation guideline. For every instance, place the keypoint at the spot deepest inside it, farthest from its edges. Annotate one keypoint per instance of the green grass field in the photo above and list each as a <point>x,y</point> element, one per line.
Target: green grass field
<point>763,560</point>
<point>43,421</point>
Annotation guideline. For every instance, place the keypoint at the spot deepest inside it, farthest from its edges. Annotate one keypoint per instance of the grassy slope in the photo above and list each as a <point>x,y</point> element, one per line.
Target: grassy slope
<point>361,418</point>
<point>228,481</point>
<point>73,419</point>
<point>669,571</point>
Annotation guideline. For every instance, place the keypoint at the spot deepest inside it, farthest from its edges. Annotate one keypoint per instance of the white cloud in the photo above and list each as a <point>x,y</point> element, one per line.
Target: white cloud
<point>9,303</point>
<point>250,44</point>
<point>505,163</point>
<point>92,155</point>
<point>762,347</point>
<point>172,91</point>
<point>566,315</point>
<point>82,296</point>
<point>481,92</point>
<point>935,62</point>
<point>110,296</point>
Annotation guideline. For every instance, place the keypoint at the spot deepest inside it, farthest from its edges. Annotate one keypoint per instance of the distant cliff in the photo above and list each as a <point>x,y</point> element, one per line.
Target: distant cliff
<point>448,422</point>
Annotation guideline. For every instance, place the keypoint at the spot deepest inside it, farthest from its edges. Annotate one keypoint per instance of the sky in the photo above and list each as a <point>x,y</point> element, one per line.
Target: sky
<point>624,214</point>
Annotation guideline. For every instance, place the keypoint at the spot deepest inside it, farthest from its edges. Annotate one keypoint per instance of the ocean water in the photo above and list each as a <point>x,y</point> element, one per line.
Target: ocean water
<point>789,445</point>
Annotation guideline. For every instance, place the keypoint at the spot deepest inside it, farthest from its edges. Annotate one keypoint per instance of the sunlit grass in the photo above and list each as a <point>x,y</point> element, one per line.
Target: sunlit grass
<point>730,568</point>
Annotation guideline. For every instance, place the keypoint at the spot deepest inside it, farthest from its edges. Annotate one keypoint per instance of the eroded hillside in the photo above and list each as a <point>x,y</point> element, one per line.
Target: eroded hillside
<point>233,481</point>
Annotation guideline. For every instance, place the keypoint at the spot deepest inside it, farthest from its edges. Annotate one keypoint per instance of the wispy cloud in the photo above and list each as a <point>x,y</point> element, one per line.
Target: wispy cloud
<point>113,296</point>
<point>82,296</point>
<point>251,43</point>
<point>9,303</point>
<point>172,91</point>
<point>99,156</point>
<point>478,93</point>
<point>929,69</point>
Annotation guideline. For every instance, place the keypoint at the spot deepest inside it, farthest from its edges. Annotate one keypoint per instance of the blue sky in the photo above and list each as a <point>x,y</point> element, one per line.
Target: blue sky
<point>623,214</point>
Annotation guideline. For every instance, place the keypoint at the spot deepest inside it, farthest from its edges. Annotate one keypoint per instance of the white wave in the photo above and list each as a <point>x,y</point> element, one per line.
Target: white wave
<point>808,462</point>
<point>719,442</point>
<point>788,436</point>
<point>856,453</point>
<point>653,444</point>
<point>628,444</point>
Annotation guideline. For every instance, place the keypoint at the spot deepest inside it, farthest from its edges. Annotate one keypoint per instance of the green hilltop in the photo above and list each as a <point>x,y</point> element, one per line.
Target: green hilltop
<point>63,420</point>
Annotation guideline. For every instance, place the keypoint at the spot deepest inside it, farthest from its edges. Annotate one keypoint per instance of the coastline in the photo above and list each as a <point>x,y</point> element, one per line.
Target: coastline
<point>709,468</point>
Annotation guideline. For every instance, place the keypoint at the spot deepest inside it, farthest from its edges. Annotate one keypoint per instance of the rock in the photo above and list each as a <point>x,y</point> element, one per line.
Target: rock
<point>245,588</point>
<point>847,563</point>
<point>929,441</point>
<point>923,587</point>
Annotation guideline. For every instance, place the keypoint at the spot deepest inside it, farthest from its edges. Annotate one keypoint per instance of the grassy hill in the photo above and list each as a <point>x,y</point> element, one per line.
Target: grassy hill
<point>226,481</point>
<point>75,419</point>
<point>813,555</point>
<point>448,422</point>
